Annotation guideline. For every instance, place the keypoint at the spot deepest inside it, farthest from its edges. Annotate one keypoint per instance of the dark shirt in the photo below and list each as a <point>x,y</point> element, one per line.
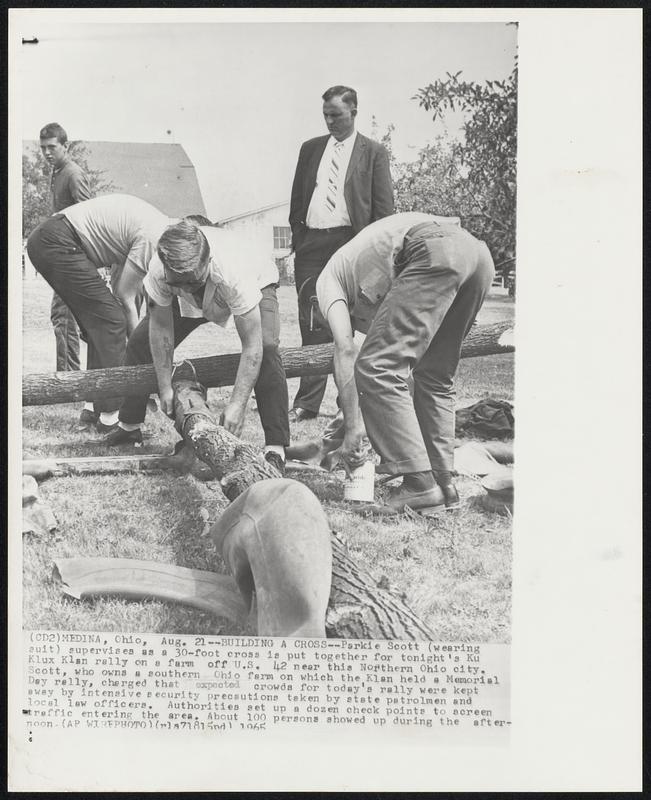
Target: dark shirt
<point>69,186</point>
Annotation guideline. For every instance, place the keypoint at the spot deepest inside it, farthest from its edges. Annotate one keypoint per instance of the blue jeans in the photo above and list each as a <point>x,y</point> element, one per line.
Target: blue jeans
<point>444,275</point>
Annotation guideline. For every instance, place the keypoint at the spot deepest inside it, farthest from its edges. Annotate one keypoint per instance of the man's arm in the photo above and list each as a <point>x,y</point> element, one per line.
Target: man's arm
<point>79,187</point>
<point>382,192</point>
<point>249,328</point>
<point>296,201</point>
<point>127,289</point>
<point>345,355</point>
<point>161,342</point>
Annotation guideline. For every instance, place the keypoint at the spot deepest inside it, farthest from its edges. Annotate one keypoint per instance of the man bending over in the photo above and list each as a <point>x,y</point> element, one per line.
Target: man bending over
<point>207,274</point>
<point>414,284</point>
<point>69,249</point>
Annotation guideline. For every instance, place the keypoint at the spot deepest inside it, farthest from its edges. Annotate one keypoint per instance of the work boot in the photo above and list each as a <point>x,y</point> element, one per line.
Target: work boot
<point>300,414</point>
<point>428,501</point>
<point>87,419</point>
<point>117,435</point>
<point>102,427</point>
<point>451,496</point>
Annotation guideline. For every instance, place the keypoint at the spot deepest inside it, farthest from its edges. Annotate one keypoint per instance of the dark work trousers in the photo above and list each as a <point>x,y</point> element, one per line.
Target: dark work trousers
<point>270,388</point>
<point>312,254</point>
<point>419,329</point>
<point>66,334</point>
<point>56,252</point>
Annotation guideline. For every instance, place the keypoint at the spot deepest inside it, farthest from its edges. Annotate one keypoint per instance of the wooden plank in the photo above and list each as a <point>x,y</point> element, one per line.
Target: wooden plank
<point>92,465</point>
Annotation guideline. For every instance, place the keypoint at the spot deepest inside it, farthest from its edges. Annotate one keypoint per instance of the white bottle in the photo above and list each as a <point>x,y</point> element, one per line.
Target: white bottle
<point>360,485</point>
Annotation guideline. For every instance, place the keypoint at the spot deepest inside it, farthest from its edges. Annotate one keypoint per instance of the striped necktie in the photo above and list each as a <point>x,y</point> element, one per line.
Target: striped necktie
<point>333,177</point>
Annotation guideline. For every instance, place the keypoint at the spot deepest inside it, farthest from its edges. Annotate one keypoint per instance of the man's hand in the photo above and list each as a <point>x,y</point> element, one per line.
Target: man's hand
<point>232,418</point>
<point>351,454</point>
<point>161,341</point>
<point>353,450</point>
<point>166,397</point>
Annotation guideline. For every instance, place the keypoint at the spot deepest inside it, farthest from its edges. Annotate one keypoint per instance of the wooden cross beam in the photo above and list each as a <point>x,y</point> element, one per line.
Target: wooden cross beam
<point>69,387</point>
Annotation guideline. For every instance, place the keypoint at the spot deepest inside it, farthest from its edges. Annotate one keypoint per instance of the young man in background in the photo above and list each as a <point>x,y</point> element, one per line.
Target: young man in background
<point>68,185</point>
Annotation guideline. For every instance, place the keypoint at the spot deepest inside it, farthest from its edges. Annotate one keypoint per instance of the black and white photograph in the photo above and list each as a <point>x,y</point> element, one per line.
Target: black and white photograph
<point>267,321</point>
<point>425,185</point>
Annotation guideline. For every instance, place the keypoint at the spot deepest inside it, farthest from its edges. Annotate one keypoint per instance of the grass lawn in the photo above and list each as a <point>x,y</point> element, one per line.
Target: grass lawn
<point>455,571</point>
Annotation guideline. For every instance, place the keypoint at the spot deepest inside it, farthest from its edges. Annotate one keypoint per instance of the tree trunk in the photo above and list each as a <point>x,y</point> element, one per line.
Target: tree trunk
<point>359,607</point>
<point>69,387</point>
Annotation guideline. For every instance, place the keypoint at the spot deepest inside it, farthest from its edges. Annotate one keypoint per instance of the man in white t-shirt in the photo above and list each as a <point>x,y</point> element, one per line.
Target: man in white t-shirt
<point>413,283</point>
<point>207,274</point>
<point>70,248</point>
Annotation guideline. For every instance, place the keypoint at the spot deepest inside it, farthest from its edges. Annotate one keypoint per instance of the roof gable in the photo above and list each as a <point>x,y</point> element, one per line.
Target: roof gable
<point>162,174</point>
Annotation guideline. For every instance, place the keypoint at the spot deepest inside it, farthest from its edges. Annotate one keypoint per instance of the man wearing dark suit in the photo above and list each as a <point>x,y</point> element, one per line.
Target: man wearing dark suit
<point>342,184</point>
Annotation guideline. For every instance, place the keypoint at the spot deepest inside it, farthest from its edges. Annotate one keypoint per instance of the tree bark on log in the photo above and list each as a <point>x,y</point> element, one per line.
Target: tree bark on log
<point>212,371</point>
<point>359,607</point>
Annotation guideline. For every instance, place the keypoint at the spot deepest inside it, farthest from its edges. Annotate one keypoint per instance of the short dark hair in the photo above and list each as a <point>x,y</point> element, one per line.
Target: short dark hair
<point>198,219</point>
<point>182,247</point>
<point>53,129</point>
<point>348,95</point>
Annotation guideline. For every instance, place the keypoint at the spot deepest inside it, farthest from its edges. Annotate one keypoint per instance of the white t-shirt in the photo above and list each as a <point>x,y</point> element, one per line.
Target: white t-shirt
<point>318,215</point>
<point>117,228</point>
<point>238,270</point>
<point>361,272</point>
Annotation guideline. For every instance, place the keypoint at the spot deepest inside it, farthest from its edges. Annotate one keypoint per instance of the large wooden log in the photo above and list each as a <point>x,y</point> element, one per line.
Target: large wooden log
<point>359,607</point>
<point>212,371</point>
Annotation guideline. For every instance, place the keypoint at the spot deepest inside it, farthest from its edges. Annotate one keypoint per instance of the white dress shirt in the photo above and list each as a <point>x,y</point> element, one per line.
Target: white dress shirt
<point>318,213</point>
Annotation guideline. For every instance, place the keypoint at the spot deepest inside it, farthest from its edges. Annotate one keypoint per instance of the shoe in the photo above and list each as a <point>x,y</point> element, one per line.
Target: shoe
<point>300,414</point>
<point>451,496</point>
<point>276,461</point>
<point>100,427</point>
<point>430,501</point>
<point>117,435</point>
<point>87,419</point>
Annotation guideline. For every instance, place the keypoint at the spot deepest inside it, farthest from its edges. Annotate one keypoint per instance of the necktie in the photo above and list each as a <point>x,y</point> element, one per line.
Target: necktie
<point>333,177</point>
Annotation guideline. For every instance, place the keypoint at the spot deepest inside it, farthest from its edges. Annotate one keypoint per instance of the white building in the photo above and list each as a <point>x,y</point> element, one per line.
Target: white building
<point>269,227</point>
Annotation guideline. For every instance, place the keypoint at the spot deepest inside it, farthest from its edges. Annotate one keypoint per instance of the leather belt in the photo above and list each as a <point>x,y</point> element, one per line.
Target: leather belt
<point>331,230</point>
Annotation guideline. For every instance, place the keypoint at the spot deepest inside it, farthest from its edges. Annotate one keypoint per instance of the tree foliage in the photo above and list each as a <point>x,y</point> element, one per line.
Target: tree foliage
<point>37,198</point>
<point>472,176</point>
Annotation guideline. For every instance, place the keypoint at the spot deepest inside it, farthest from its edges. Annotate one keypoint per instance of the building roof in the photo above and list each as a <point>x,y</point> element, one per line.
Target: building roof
<point>252,213</point>
<point>162,174</point>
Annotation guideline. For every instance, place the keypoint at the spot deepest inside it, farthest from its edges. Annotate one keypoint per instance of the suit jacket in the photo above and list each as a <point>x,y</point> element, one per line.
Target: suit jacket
<point>368,189</point>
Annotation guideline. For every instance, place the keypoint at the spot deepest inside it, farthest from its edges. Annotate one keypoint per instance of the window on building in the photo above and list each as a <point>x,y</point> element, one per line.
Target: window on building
<point>282,237</point>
